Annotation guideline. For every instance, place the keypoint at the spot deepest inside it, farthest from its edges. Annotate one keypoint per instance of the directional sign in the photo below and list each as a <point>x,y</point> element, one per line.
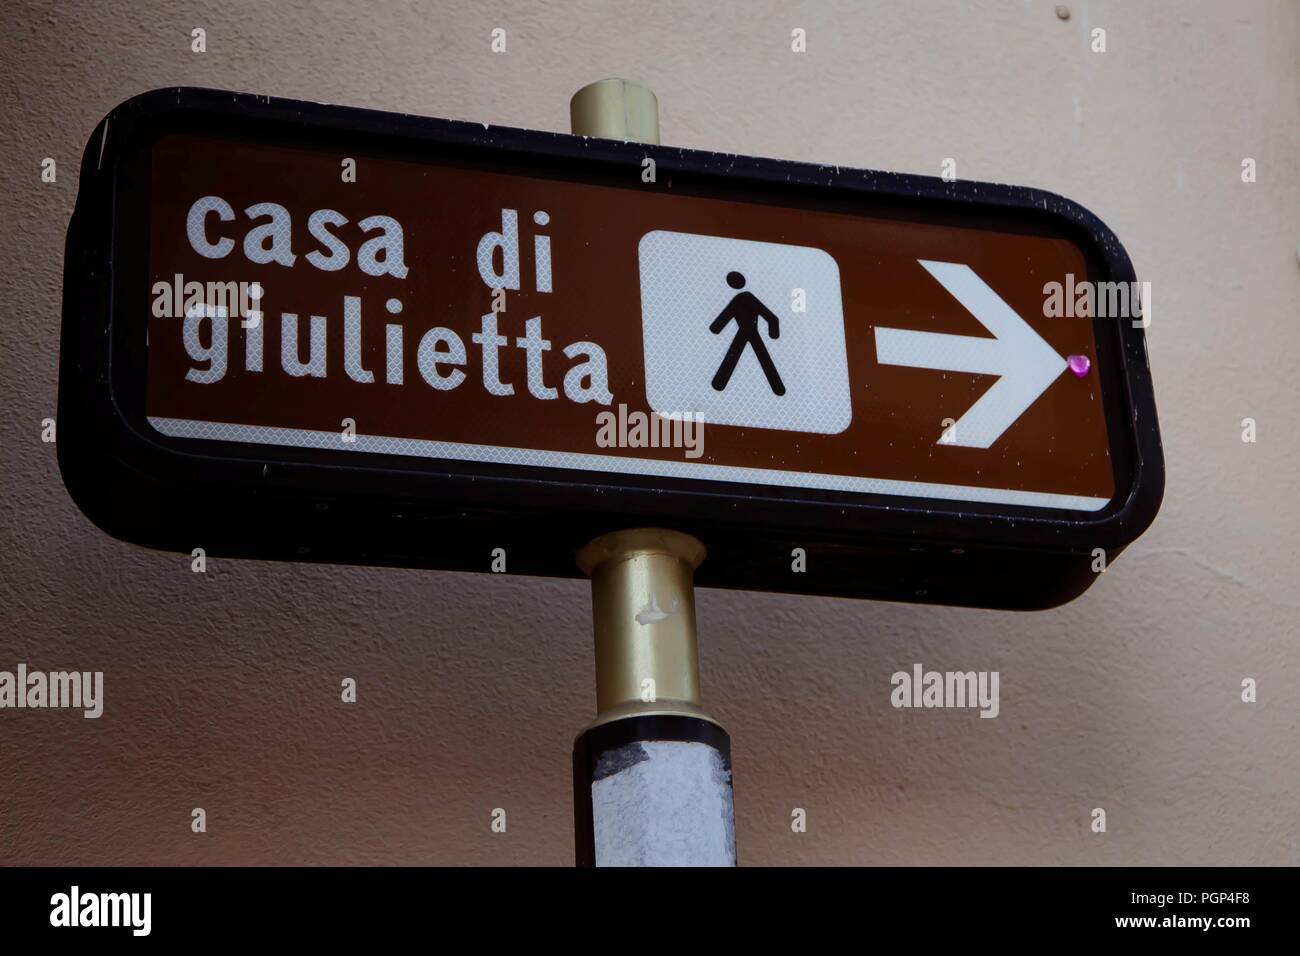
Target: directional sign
<point>309,332</point>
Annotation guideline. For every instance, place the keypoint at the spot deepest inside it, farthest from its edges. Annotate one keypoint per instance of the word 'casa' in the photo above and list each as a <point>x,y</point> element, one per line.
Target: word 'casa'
<point>272,240</point>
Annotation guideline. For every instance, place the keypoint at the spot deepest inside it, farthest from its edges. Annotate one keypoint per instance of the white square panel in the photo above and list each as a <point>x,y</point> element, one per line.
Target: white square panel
<point>692,285</point>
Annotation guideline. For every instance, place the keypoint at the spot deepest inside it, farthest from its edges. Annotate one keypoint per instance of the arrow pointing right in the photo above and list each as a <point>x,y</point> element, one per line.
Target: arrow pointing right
<point>1025,364</point>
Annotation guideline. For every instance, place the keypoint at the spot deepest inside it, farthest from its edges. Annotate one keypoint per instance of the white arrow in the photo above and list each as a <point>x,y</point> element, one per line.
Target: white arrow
<point>1025,363</point>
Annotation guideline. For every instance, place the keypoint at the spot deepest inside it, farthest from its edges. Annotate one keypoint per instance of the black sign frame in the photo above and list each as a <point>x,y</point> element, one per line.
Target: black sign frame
<point>257,501</point>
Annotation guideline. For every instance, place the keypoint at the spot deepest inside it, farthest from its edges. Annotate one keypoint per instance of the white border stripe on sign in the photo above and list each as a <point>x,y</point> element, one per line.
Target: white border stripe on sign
<point>612,464</point>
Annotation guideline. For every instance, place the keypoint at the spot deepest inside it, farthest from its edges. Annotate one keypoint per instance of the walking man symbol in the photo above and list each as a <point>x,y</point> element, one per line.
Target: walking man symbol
<point>746,309</point>
<point>700,364</point>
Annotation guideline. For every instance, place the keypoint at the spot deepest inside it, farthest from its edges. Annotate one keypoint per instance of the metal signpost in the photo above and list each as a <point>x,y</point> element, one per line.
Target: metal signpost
<point>314,333</point>
<point>652,774</point>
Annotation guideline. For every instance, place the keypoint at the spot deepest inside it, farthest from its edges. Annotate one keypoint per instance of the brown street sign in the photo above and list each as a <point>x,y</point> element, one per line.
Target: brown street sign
<point>379,307</point>
<point>299,331</point>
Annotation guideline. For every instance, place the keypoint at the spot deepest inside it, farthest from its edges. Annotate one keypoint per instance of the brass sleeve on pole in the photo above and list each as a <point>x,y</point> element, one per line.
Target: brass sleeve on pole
<point>643,596</point>
<point>643,606</point>
<point>615,109</point>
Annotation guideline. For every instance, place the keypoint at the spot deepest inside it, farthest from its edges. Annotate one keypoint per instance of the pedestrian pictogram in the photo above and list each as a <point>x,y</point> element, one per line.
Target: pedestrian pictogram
<point>745,310</point>
<point>743,332</point>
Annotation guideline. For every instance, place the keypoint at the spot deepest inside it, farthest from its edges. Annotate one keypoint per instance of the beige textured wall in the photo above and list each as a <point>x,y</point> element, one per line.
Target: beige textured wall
<point>222,690</point>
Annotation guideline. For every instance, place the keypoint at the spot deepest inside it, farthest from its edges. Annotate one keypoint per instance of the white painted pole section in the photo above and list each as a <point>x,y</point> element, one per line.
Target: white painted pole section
<point>663,803</point>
